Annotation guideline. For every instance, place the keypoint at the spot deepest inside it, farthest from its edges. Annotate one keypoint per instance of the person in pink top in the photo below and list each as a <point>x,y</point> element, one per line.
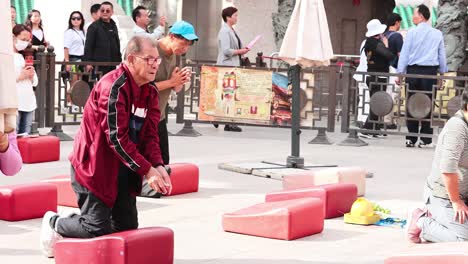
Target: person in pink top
<point>10,158</point>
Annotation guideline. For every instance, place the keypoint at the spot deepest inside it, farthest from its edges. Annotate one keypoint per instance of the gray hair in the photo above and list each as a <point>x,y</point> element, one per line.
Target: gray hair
<point>135,45</point>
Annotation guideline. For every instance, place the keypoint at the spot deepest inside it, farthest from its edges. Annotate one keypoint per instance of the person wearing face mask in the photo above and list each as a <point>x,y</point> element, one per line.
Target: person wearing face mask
<point>379,58</point>
<point>26,78</point>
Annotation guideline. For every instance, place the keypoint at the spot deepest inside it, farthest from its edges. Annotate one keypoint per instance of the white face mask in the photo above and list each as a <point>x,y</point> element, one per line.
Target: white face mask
<point>21,44</point>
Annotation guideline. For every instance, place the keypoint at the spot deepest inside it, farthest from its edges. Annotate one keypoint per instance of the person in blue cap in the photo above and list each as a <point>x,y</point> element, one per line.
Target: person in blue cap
<point>168,78</point>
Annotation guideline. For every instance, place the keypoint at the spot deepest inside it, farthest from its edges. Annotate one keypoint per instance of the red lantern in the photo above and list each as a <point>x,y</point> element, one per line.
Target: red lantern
<point>356,2</point>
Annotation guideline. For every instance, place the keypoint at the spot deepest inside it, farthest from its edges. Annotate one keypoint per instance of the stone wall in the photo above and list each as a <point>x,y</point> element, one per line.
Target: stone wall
<point>347,23</point>
<point>452,22</point>
<point>281,20</point>
<point>255,18</point>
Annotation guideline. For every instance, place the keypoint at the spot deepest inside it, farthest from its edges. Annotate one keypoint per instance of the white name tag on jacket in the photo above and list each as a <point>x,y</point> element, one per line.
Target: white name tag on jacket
<point>140,112</point>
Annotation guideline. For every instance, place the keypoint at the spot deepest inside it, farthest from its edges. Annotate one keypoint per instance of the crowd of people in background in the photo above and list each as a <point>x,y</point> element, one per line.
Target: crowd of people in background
<point>98,41</point>
<point>132,155</point>
<point>422,52</point>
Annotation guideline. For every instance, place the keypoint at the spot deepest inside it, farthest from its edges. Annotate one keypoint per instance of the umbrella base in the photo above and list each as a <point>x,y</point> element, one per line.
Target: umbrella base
<point>321,138</point>
<point>353,140</point>
<point>295,162</point>
<point>188,130</point>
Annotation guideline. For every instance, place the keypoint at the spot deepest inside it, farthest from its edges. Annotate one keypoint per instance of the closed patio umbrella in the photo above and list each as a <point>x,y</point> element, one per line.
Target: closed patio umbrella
<point>306,44</point>
<point>307,39</point>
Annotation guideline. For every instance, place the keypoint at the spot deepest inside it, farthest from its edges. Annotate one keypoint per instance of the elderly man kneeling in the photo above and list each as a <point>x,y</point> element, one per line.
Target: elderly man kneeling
<point>116,146</point>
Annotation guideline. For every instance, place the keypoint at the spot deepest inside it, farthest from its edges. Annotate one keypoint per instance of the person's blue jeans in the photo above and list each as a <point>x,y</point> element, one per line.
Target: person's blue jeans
<point>24,122</point>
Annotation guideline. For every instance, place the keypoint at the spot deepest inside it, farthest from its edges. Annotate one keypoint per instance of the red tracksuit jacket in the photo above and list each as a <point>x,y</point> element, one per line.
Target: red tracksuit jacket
<point>103,144</point>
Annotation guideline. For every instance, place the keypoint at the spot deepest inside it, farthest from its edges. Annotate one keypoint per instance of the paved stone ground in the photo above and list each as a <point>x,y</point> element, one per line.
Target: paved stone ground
<point>399,175</point>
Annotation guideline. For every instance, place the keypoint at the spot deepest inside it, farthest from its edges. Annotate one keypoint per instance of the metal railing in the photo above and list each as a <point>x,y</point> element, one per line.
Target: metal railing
<point>322,95</point>
<point>394,106</point>
<point>330,99</point>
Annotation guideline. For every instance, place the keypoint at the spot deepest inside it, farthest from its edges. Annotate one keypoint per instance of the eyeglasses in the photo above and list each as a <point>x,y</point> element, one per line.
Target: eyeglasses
<point>106,10</point>
<point>76,18</point>
<point>151,60</point>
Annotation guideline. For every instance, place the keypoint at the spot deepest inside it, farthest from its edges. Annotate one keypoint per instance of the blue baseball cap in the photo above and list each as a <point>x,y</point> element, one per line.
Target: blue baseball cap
<point>184,29</point>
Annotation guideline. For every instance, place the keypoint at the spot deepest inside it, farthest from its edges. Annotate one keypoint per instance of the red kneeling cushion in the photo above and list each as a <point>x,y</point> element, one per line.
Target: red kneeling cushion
<point>355,175</point>
<point>152,245</point>
<point>340,198</point>
<point>27,201</point>
<point>65,194</point>
<point>432,253</point>
<point>287,220</point>
<point>298,194</point>
<point>337,198</point>
<point>184,178</point>
<point>39,149</point>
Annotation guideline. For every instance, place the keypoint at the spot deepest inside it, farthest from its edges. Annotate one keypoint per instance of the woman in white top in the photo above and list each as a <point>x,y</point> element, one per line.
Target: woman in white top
<point>26,78</point>
<point>74,40</point>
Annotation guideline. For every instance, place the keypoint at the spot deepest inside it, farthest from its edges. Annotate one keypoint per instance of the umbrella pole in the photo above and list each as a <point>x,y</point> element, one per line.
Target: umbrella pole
<point>295,161</point>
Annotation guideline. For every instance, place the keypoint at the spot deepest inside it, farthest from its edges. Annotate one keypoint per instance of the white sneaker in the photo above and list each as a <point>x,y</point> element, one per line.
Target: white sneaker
<point>68,213</point>
<point>409,144</point>
<point>48,235</point>
<point>364,135</point>
<point>424,145</point>
<point>75,109</point>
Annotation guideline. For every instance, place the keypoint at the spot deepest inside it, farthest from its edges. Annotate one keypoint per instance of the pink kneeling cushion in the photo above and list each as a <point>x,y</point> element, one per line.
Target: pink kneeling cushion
<point>184,178</point>
<point>65,194</point>
<point>39,149</point>
<point>153,245</point>
<point>287,220</point>
<point>337,198</point>
<point>27,201</point>
<point>432,253</point>
<point>308,179</point>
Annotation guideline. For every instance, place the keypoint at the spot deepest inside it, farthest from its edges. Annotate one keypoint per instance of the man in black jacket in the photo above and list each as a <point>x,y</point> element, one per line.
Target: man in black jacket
<point>102,41</point>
